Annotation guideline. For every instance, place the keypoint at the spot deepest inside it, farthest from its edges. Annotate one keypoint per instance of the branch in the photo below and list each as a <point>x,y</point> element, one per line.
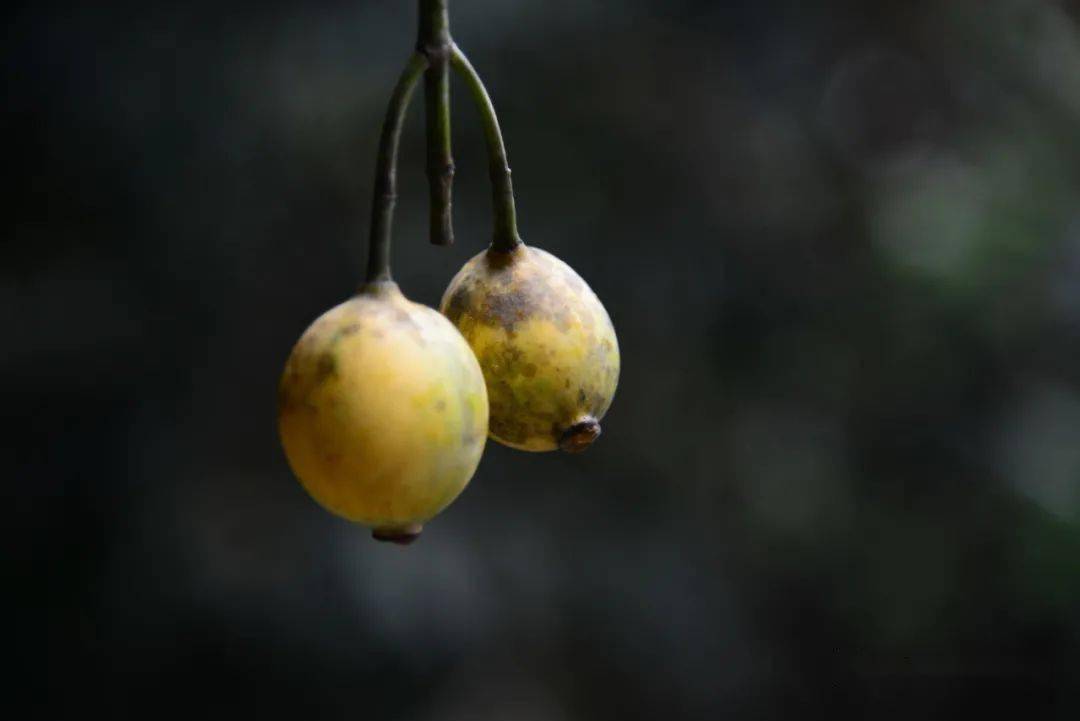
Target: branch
<point>434,43</point>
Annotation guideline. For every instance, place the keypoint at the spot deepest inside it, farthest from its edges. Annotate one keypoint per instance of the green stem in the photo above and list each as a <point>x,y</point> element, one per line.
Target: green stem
<point>506,234</point>
<point>434,42</point>
<point>382,211</point>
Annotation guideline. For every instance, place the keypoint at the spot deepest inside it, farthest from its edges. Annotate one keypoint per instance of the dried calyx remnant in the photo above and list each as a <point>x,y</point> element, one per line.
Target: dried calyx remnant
<point>402,536</point>
<point>580,436</point>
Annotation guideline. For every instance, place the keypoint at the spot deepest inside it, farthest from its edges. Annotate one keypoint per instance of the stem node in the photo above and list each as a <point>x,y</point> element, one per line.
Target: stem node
<point>433,42</point>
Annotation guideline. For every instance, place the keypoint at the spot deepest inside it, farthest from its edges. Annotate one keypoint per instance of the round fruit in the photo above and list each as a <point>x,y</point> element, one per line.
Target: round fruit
<point>545,343</point>
<point>383,411</point>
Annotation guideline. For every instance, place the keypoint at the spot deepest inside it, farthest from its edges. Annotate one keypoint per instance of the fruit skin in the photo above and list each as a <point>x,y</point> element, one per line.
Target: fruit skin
<point>545,343</point>
<point>383,411</point>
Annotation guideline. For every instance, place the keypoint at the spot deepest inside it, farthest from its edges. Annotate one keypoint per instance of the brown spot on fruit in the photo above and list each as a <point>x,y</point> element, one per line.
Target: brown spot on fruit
<point>458,304</point>
<point>327,367</point>
<point>507,309</point>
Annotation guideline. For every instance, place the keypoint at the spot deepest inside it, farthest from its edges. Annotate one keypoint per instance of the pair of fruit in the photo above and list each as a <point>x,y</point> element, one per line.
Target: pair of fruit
<point>385,404</point>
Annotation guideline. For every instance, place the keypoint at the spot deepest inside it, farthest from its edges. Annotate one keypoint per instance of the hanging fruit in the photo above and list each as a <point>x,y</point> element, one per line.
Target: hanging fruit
<point>384,404</point>
<point>545,344</point>
<point>383,411</point>
<point>382,407</point>
<point>544,341</point>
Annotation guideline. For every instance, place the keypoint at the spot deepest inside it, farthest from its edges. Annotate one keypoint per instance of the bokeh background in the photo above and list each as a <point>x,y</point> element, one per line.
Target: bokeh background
<point>840,242</point>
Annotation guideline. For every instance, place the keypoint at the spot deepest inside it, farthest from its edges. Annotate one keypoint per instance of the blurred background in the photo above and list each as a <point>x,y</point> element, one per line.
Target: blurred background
<point>840,242</point>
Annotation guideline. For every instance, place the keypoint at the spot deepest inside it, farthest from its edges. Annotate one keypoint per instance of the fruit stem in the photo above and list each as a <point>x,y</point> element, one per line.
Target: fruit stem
<point>382,211</point>
<point>506,234</point>
<point>433,42</point>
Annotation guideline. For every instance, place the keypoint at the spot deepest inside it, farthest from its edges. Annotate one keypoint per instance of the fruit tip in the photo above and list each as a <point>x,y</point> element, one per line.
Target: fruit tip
<point>401,535</point>
<point>580,436</point>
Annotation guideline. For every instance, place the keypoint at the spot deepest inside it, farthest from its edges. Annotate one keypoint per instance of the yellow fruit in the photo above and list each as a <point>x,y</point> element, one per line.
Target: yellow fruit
<point>545,343</point>
<point>383,412</point>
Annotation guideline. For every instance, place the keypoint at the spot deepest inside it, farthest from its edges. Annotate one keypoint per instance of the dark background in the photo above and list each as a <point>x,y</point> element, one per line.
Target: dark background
<point>840,242</point>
